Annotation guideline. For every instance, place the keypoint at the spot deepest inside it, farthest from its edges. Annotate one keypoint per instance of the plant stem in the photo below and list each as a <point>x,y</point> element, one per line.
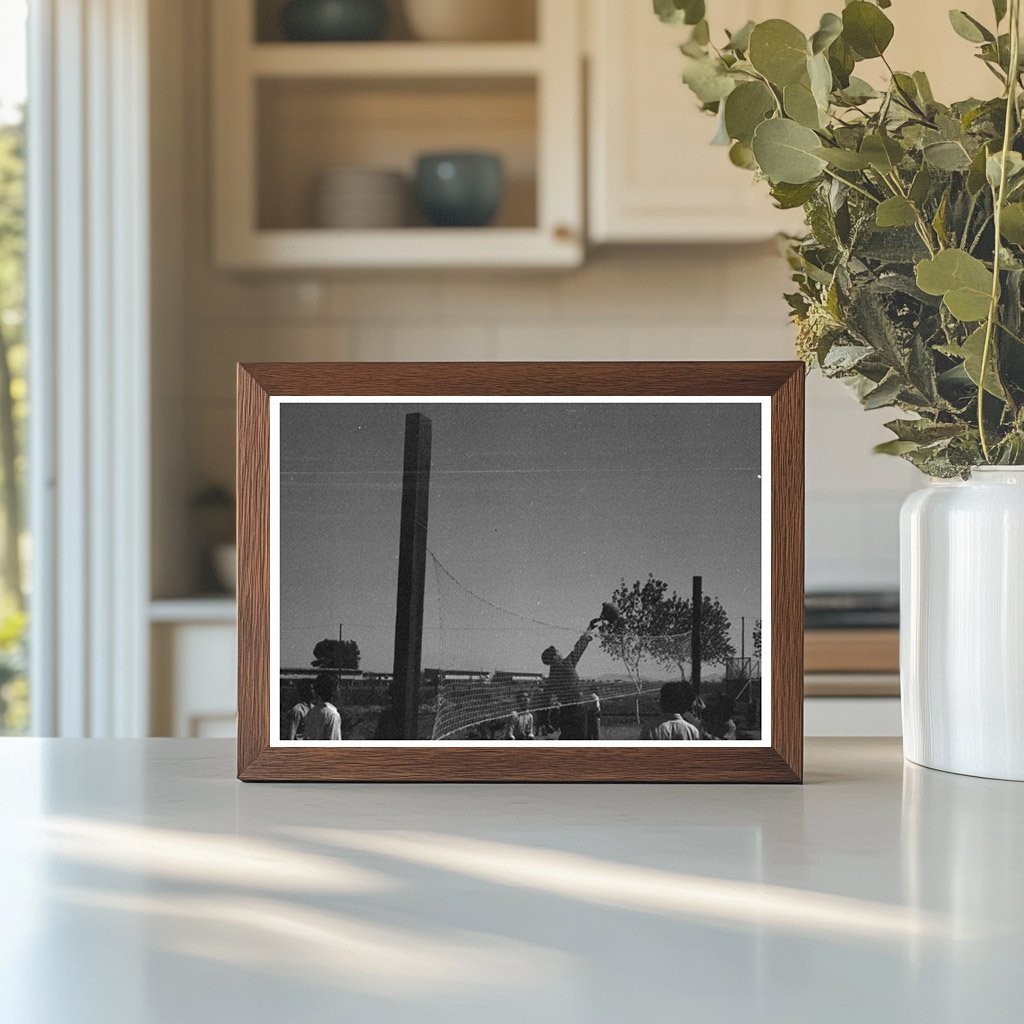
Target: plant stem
<point>922,225</point>
<point>993,309</point>
<point>856,188</point>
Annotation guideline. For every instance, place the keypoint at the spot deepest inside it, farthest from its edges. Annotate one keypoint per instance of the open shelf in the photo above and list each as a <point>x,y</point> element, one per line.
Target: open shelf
<point>405,248</point>
<point>306,128</point>
<point>393,60</point>
<point>287,113</point>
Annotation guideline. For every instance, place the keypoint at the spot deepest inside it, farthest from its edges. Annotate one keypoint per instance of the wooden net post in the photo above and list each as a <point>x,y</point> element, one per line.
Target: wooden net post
<point>695,636</point>
<point>412,572</point>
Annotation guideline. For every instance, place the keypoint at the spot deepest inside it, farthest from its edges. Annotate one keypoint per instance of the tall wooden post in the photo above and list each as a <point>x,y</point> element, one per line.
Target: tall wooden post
<point>412,572</point>
<point>695,637</point>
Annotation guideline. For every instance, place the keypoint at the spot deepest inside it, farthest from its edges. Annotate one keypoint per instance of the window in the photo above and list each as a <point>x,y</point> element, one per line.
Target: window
<point>14,547</point>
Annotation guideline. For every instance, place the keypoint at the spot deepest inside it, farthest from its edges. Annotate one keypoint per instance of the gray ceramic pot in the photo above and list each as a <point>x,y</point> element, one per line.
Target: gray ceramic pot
<point>334,20</point>
<point>460,189</point>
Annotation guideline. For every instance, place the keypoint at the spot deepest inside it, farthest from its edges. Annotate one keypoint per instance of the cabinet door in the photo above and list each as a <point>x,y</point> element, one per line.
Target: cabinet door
<point>654,177</point>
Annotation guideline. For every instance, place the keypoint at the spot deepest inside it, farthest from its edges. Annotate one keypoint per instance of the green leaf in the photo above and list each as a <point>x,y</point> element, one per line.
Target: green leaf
<point>800,105</point>
<point>745,108</point>
<point>883,153</point>
<point>668,11</point>
<point>939,220</point>
<point>844,159</point>
<point>789,197</point>
<point>896,212</point>
<point>906,91</point>
<point>830,29</point>
<point>739,41</point>
<point>969,28</point>
<point>741,155</point>
<point>885,394</point>
<point>999,7</point>
<point>963,281</point>
<point>1012,226</point>
<point>708,80</point>
<point>921,185</point>
<point>866,29</point>
<point>841,60</point>
<point>947,156</point>
<point>676,12</point>
<point>896,447</point>
<point>778,50</point>
<point>695,11</point>
<point>785,152</point>
<point>976,174</point>
<point>858,91</point>
<point>1014,169</point>
<point>971,352</point>
<point>820,76</point>
<point>924,87</point>
<point>923,431</point>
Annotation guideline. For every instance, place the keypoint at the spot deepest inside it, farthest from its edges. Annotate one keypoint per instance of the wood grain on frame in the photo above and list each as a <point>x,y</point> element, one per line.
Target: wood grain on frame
<point>781,762</point>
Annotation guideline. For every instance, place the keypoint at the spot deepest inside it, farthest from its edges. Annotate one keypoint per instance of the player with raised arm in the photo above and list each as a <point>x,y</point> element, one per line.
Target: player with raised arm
<point>561,690</point>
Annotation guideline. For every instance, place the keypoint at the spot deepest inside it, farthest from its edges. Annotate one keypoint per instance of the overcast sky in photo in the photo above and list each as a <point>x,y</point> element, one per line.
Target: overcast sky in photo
<point>540,509</point>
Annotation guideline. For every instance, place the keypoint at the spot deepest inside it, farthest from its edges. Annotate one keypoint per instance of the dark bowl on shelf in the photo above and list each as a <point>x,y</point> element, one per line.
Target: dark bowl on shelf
<point>334,21</point>
<point>461,190</point>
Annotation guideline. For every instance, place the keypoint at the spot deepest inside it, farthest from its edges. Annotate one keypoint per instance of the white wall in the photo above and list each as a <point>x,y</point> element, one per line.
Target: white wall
<point>666,303</point>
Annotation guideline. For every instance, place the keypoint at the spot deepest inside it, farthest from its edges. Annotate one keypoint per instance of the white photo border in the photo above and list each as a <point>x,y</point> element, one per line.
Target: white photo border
<point>274,680</point>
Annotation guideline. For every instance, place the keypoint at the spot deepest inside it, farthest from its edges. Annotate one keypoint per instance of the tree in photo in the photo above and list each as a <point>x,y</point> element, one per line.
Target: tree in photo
<point>341,654</point>
<point>757,639</point>
<point>674,648</point>
<point>640,628</point>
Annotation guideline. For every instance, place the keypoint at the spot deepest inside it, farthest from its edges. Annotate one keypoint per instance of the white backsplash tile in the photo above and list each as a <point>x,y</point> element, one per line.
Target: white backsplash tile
<point>410,296</point>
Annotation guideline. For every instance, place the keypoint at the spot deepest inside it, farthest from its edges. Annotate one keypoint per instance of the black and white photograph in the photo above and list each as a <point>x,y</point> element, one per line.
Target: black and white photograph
<point>491,571</point>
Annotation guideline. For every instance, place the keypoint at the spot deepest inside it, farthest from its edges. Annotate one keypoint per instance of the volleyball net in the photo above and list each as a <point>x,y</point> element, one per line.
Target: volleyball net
<point>493,669</point>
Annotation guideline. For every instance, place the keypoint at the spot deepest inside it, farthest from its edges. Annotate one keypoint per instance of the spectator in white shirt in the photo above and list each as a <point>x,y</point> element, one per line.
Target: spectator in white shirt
<point>322,721</point>
<point>676,699</point>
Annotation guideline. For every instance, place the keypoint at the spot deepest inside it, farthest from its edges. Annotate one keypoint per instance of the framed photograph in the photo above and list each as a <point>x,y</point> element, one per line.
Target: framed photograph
<point>519,572</point>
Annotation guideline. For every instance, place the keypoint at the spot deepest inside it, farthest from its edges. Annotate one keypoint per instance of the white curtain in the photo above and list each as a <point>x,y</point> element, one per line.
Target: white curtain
<point>88,320</point>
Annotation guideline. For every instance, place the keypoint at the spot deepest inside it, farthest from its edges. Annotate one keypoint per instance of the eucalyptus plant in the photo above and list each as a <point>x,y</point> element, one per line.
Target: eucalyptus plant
<point>910,278</point>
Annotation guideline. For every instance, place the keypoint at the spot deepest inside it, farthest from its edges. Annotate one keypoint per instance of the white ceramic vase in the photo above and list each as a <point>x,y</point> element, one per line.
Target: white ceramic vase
<point>962,624</point>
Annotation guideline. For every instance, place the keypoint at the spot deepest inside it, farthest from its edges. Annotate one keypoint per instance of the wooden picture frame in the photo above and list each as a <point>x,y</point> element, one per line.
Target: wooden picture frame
<point>779,759</point>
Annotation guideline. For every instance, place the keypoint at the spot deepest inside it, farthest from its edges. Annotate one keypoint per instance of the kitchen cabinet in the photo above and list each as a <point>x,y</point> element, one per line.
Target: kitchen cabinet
<point>192,653</point>
<point>287,113</point>
<point>653,175</point>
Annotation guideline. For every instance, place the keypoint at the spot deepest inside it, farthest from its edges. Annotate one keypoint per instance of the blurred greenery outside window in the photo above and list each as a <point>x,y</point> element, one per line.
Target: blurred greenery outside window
<point>14,546</point>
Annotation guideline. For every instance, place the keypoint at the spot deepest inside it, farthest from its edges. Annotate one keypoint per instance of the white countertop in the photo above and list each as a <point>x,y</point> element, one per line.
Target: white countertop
<point>143,885</point>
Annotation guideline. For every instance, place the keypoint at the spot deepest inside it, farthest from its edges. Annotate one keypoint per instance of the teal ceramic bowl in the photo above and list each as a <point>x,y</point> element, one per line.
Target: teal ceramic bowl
<point>334,21</point>
<point>460,190</point>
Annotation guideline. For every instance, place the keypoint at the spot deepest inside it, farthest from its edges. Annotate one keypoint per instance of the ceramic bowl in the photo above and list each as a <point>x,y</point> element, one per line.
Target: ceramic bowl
<point>460,189</point>
<point>470,20</point>
<point>334,20</point>
<point>358,197</point>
